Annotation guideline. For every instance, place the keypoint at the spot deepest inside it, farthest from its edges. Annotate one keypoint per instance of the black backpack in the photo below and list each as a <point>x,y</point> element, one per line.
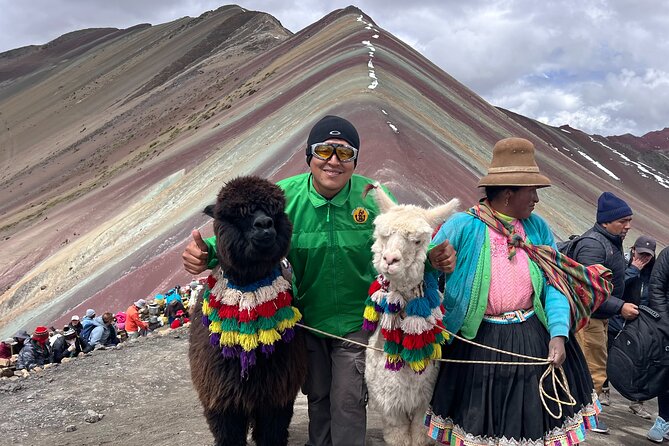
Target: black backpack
<point>638,361</point>
<point>568,247</point>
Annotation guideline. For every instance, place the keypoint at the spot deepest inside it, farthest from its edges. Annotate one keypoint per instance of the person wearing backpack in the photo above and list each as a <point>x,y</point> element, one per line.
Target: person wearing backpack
<point>603,244</point>
<point>658,297</point>
<point>637,277</point>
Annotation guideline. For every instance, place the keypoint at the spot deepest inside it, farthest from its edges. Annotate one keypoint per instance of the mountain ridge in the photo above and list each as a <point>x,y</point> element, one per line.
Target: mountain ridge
<point>101,181</point>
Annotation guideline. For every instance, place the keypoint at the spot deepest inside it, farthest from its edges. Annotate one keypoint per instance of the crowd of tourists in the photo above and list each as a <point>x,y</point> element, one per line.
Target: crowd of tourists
<point>91,331</point>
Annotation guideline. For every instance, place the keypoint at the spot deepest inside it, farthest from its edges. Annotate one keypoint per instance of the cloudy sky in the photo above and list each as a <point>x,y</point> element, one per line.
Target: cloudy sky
<point>601,66</point>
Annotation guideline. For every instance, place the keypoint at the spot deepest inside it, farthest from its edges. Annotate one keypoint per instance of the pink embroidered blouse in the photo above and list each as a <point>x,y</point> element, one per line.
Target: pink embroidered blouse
<point>510,282</point>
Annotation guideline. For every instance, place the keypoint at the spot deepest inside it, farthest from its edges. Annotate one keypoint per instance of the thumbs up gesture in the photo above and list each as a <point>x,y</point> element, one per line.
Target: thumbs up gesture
<point>196,254</point>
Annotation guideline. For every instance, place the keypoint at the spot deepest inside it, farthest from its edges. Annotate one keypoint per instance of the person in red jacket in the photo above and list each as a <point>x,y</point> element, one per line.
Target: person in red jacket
<point>180,320</point>
<point>134,326</point>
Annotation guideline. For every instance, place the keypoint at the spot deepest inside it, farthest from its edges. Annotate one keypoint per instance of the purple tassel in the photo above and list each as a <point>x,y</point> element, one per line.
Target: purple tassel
<point>394,366</point>
<point>377,308</point>
<point>267,349</point>
<point>247,360</point>
<point>369,325</point>
<point>288,335</point>
<point>205,320</point>
<point>394,308</point>
<point>215,339</point>
<point>229,352</point>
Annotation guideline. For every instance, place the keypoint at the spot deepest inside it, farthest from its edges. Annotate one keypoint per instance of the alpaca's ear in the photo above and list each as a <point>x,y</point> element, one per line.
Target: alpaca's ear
<point>437,215</point>
<point>209,210</point>
<point>381,197</point>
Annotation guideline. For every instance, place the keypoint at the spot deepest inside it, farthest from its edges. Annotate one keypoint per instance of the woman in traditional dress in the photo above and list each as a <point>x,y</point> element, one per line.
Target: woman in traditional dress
<point>499,296</point>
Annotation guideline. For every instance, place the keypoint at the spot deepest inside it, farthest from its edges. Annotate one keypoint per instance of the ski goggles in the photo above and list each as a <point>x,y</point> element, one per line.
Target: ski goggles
<point>325,150</point>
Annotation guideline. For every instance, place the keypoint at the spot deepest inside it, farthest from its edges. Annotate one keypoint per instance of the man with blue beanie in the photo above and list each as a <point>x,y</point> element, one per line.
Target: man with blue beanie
<point>603,244</point>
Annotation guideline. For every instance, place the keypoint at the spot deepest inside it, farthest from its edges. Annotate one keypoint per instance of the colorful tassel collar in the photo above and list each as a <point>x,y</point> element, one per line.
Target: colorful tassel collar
<point>412,328</point>
<point>249,319</point>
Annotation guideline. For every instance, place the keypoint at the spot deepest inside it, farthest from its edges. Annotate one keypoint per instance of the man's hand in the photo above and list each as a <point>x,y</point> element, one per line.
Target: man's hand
<point>556,352</point>
<point>443,257</point>
<point>629,311</point>
<point>641,260</point>
<point>196,254</point>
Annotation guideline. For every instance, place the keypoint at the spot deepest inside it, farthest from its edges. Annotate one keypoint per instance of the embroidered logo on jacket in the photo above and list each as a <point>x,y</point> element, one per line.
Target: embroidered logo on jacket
<point>360,215</point>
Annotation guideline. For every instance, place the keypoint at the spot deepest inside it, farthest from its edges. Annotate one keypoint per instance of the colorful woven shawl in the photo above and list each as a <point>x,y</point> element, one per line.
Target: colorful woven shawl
<point>244,320</point>
<point>414,338</point>
<point>586,287</point>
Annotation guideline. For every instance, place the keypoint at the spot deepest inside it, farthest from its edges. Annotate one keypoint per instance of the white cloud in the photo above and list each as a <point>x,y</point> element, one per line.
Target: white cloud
<point>599,65</point>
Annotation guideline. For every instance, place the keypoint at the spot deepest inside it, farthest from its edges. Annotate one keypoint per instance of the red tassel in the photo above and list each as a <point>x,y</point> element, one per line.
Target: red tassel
<point>392,335</point>
<point>283,299</point>
<point>228,311</point>
<point>374,287</point>
<point>413,341</point>
<point>211,281</point>
<point>214,302</point>
<point>248,315</point>
<point>266,310</point>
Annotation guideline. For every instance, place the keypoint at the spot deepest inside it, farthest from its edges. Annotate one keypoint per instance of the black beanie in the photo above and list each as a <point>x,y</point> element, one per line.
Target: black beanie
<point>333,127</point>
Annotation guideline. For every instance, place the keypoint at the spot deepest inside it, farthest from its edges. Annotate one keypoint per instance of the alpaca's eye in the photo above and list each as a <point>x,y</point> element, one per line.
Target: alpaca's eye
<point>417,242</point>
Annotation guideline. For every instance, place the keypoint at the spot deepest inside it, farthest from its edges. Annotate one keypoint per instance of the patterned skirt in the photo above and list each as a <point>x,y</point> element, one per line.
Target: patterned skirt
<point>480,404</point>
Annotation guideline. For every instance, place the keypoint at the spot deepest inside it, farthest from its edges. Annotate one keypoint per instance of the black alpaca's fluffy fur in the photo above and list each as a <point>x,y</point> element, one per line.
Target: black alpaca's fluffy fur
<point>263,400</point>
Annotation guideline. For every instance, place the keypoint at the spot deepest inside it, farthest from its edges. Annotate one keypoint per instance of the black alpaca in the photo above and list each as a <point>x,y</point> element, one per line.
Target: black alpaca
<point>253,236</point>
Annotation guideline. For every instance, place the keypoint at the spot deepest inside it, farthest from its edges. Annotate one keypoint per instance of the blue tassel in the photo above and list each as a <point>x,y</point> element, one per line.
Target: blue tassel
<point>418,307</point>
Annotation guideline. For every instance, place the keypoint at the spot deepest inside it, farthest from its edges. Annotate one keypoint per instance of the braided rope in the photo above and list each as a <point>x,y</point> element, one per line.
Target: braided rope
<point>560,380</point>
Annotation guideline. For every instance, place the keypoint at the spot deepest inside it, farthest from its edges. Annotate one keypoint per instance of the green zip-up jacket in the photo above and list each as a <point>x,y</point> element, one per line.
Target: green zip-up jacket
<point>330,252</point>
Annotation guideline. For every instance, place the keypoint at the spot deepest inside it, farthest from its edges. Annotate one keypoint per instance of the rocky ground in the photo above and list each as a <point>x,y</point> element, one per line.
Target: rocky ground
<point>141,393</point>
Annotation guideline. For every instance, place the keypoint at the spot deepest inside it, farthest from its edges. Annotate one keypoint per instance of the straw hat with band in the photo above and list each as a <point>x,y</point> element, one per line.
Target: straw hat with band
<point>513,164</point>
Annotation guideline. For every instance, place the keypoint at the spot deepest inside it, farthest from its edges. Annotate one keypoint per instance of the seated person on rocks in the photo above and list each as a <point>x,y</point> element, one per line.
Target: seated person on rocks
<point>6,348</point>
<point>173,308</point>
<point>104,333</point>
<point>75,324</point>
<point>133,324</point>
<point>35,351</point>
<point>180,320</point>
<point>88,318</point>
<point>120,320</point>
<point>67,346</point>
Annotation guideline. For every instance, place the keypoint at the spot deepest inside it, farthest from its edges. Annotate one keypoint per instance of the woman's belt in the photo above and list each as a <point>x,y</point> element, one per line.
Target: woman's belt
<point>510,317</point>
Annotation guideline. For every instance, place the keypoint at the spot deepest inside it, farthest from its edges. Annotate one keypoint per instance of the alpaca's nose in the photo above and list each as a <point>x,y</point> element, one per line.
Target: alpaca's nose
<point>263,222</point>
<point>392,257</point>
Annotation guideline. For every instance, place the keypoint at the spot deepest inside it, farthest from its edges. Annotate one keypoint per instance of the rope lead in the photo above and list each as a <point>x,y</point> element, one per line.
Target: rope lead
<point>556,381</point>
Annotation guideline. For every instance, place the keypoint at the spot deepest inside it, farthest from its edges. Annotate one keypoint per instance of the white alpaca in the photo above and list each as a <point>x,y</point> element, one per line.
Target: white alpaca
<point>402,234</point>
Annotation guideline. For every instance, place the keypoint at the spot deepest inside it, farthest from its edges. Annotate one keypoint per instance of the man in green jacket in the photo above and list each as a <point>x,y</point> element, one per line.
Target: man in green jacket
<point>331,257</point>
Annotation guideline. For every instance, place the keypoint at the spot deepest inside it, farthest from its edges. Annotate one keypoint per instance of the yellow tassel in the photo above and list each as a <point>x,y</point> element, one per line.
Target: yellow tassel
<point>229,338</point>
<point>393,358</point>
<point>215,327</point>
<point>289,323</point>
<point>248,341</point>
<point>417,366</point>
<point>205,307</point>
<point>436,351</point>
<point>371,314</point>
<point>268,337</point>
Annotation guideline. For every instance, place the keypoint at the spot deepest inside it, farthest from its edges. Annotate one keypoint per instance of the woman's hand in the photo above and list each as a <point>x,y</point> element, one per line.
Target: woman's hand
<point>443,257</point>
<point>556,351</point>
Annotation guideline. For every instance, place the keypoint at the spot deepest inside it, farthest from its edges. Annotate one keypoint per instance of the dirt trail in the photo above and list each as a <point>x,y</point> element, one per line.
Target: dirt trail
<point>142,390</point>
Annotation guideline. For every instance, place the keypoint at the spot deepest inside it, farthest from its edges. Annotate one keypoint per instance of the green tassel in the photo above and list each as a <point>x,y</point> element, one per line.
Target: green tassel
<point>284,313</point>
<point>417,355</point>
<point>229,324</point>
<point>392,348</point>
<point>266,323</point>
<point>248,328</point>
